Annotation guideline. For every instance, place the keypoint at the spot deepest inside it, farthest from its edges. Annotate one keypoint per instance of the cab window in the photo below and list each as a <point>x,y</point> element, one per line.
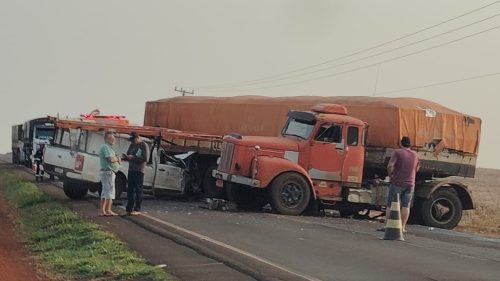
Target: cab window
<point>66,139</point>
<point>82,141</point>
<point>352,136</point>
<point>62,138</point>
<point>329,133</point>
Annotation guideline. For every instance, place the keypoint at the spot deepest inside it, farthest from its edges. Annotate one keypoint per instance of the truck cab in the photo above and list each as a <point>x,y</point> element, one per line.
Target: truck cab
<point>320,152</point>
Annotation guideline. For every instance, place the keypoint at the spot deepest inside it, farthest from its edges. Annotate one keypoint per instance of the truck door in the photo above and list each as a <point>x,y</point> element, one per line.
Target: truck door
<point>149,170</point>
<point>352,173</point>
<point>327,153</point>
<point>167,176</point>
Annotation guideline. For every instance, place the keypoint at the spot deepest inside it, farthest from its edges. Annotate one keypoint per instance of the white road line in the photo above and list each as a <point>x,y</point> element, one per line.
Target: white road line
<point>229,247</point>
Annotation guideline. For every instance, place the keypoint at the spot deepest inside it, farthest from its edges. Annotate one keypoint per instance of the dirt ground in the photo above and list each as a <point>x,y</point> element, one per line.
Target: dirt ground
<point>15,264</point>
<point>485,219</point>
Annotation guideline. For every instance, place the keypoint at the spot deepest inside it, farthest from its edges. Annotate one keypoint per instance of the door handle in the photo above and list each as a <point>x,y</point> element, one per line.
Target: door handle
<point>161,170</point>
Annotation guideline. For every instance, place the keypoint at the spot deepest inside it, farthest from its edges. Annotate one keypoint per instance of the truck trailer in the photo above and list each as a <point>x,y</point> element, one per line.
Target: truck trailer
<point>334,155</point>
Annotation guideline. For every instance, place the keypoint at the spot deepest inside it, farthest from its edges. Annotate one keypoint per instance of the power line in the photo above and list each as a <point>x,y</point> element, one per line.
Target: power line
<point>438,84</point>
<point>352,54</point>
<point>374,64</point>
<point>365,57</point>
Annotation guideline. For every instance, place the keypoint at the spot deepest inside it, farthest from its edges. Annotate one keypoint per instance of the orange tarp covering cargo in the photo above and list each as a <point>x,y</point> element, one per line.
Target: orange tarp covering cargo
<point>425,122</point>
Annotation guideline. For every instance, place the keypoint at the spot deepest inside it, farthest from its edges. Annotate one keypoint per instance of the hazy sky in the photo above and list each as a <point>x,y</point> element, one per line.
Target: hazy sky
<point>70,57</point>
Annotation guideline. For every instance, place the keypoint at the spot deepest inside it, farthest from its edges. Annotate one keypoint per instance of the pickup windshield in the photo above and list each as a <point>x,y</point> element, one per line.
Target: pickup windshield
<point>299,128</point>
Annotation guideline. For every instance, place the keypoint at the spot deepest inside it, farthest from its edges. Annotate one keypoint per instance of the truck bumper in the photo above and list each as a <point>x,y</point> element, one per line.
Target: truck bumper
<point>235,179</point>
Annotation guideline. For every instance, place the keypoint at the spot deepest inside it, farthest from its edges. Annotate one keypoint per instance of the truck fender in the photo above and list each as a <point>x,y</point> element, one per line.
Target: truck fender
<point>271,167</point>
<point>426,190</point>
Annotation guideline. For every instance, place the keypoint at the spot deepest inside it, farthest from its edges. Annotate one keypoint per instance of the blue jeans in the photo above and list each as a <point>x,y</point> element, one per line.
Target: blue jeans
<point>134,191</point>
<point>405,195</point>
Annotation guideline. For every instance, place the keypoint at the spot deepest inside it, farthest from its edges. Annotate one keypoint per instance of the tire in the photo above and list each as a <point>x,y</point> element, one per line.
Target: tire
<point>74,189</point>
<point>15,157</point>
<point>290,194</point>
<point>246,197</point>
<point>442,210</point>
<point>120,185</point>
<point>210,190</point>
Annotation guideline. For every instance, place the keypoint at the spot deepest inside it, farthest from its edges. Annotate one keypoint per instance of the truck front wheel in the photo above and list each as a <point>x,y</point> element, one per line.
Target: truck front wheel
<point>290,194</point>
<point>74,189</point>
<point>443,209</point>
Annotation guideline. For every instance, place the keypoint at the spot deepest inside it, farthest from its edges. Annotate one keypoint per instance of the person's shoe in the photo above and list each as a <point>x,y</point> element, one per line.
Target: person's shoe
<point>111,214</point>
<point>135,213</point>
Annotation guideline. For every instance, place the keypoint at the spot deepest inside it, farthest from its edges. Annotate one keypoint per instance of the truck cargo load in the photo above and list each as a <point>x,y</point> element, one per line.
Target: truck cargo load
<point>427,123</point>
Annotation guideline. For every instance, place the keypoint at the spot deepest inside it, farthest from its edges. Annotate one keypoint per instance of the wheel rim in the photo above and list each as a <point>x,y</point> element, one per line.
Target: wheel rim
<point>442,210</point>
<point>291,194</point>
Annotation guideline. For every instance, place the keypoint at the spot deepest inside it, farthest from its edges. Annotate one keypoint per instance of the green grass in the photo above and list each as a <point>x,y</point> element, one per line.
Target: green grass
<point>68,245</point>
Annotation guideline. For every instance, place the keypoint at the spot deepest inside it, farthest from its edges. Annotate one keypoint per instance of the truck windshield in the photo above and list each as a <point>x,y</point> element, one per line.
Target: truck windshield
<point>44,133</point>
<point>298,128</point>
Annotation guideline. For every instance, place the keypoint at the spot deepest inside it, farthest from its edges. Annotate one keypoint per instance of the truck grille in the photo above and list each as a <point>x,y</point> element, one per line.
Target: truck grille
<point>226,157</point>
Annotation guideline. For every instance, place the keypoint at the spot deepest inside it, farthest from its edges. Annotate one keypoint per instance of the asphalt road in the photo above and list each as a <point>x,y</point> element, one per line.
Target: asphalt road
<point>339,249</point>
<point>329,248</point>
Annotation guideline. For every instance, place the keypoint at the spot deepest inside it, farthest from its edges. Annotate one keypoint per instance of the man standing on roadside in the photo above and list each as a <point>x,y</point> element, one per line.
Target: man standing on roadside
<point>137,155</point>
<point>110,164</point>
<point>402,170</point>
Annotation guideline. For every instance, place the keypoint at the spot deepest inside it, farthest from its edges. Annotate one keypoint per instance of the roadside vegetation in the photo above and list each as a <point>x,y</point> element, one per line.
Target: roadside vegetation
<point>485,219</point>
<point>67,246</point>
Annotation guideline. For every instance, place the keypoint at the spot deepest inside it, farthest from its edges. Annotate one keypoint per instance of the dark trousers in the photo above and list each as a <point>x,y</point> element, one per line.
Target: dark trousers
<point>39,172</point>
<point>134,191</point>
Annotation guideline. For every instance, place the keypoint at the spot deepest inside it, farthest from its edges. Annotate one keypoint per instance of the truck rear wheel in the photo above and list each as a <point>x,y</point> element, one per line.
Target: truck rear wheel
<point>290,194</point>
<point>443,209</point>
<point>246,197</point>
<point>74,190</point>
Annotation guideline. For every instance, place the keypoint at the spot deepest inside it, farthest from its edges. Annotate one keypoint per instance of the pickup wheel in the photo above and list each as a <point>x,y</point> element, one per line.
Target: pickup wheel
<point>210,190</point>
<point>246,197</point>
<point>15,157</point>
<point>120,185</point>
<point>74,189</point>
<point>443,209</point>
<point>290,194</point>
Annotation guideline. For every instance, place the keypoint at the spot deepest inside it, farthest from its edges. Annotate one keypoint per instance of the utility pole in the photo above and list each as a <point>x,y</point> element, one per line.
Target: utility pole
<point>183,92</point>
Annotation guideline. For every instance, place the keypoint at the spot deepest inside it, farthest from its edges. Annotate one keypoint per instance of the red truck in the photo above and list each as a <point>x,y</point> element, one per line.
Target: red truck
<point>334,155</point>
